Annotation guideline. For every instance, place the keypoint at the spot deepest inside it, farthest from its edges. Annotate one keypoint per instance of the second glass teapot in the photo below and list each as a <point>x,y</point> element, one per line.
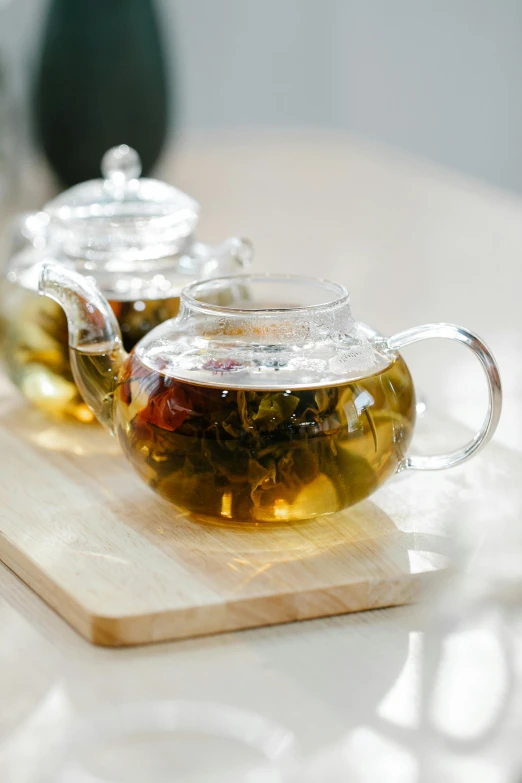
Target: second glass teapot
<point>262,401</point>
<point>135,237</point>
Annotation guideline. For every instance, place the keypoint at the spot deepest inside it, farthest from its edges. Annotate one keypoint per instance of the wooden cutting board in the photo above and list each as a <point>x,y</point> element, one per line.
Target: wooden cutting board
<point>123,567</point>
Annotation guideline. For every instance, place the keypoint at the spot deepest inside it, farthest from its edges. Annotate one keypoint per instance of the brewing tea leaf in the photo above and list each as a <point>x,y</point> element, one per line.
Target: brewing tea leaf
<point>260,478</point>
<point>274,409</point>
<point>322,399</point>
<point>243,409</point>
<point>232,425</point>
<point>252,455</point>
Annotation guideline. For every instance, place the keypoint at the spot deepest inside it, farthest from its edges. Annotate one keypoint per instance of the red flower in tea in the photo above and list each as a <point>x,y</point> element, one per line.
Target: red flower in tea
<point>168,409</point>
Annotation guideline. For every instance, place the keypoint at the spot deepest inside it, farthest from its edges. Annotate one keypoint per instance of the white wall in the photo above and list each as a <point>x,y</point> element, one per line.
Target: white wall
<point>441,78</point>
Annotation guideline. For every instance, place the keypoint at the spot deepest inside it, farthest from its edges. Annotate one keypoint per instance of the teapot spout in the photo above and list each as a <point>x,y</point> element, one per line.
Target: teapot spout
<point>95,344</point>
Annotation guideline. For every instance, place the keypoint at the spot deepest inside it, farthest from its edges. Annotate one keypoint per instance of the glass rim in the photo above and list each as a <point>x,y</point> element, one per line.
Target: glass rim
<point>188,294</point>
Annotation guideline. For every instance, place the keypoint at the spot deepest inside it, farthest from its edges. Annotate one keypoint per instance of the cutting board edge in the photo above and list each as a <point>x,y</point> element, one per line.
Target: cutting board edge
<point>242,614</point>
<point>60,601</point>
<point>251,613</point>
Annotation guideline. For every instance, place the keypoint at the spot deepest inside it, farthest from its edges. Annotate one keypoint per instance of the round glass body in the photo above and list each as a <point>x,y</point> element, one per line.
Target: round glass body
<point>264,455</point>
<point>275,407</point>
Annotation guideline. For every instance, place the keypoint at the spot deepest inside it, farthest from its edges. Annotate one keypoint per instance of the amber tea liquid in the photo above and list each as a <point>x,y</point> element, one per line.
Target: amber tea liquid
<point>264,456</point>
<point>36,346</point>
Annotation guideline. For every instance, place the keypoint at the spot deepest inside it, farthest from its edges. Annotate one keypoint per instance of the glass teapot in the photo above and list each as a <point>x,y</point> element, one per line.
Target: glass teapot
<point>263,400</point>
<point>135,237</point>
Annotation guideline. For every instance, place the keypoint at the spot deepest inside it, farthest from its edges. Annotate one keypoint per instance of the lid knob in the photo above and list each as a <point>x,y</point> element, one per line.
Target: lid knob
<point>120,165</point>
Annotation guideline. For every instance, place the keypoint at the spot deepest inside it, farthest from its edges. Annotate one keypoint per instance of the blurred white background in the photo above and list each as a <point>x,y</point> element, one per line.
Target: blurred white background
<point>439,78</point>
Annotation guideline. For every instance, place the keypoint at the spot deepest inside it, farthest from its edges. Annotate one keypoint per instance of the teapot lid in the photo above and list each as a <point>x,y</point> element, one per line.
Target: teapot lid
<point>121,213</point>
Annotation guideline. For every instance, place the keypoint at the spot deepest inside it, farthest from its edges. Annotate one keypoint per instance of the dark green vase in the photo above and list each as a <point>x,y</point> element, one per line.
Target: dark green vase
<point>100,82</point>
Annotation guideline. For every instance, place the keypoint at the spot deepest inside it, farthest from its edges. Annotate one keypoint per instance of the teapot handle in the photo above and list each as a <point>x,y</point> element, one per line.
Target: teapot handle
<point>452,332</point>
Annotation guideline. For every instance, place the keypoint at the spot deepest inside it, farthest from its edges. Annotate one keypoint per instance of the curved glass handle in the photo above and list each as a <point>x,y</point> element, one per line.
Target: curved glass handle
<point>452,332</point>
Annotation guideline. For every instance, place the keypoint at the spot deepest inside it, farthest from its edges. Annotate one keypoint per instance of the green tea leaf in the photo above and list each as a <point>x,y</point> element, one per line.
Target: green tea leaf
<point>260,478</point>
<point>322,399</point>
<point>232,425</point>
<point>274,409</point>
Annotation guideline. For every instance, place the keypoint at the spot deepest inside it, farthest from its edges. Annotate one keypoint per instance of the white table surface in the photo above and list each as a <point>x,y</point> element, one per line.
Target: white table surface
<point>414,243</point>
